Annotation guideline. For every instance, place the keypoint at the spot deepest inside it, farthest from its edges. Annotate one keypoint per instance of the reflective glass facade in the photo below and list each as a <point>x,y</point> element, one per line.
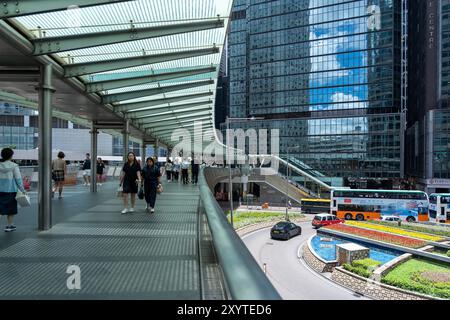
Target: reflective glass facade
<point>428,134</point>
<point>327,74</point>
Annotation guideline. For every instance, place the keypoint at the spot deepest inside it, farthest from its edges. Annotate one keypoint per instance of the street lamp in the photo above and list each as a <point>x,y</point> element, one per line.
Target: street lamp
<point>228,120</point>
<point>287,180</point>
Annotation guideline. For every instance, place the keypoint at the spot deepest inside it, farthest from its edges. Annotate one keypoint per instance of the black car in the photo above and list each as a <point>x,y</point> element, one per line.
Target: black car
<point>285,230</point>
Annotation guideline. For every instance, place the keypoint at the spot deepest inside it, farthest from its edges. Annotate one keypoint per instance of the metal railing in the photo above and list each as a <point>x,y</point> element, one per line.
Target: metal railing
<point>244,278</point>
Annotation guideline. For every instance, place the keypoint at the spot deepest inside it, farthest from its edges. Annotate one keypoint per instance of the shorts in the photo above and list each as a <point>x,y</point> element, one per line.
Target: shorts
<point>58,175</point>
<point>87,172</point>
<point>8,203</point>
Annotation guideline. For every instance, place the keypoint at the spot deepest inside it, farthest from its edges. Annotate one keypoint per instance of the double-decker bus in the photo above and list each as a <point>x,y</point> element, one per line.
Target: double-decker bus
<point>361,205</point>
<point>314,206</point>
<point>439,210</point>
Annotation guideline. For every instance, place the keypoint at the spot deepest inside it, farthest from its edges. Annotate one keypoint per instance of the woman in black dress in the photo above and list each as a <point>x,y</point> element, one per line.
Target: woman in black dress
<point>150,175</point>
<point>100,169</point>
<point>130,180</point>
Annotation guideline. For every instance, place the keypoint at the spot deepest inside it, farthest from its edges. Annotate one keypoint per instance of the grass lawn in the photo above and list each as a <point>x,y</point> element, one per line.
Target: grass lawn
<point>242,219</point>
<point>421,276</point>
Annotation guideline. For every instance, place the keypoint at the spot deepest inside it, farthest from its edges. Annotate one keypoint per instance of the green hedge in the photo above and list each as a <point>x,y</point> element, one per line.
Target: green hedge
<point>448,253</point>
<point>362,267</point>
<point>408,276</point>
<point>242,219</point>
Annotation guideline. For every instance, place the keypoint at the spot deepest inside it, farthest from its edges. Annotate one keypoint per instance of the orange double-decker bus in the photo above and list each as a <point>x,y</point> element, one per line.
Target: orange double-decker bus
<point>353,204</point>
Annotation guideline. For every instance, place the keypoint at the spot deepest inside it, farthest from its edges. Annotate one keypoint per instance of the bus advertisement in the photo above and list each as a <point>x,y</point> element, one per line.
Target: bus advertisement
<point>439,211</point>
<point>373,204</point>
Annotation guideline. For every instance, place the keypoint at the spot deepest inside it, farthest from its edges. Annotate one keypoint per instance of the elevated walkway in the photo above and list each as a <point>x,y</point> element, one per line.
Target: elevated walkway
<point>133,256</point>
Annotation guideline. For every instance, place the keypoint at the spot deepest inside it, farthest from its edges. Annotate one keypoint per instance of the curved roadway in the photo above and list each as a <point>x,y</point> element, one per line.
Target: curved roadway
<point>293,279</point>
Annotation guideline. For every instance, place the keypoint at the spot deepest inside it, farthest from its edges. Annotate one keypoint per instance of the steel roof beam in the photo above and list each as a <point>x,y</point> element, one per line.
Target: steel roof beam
<point>158,103</point>
<point>174,126</point>
<point>206,131</point>
<point>144,116</point>
<point>88,40</point>
<point>139,80</point>
<point>117,97</point>
<point>156,111</point>
<point>14,8</point>
<point>174,118</point>
<point>80,69</point>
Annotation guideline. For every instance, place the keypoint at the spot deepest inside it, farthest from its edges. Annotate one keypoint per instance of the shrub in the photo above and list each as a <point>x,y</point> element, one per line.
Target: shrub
<point>415,275</point>
<point>362,267</point>
<point>366,263</point>
<point>448,253</point>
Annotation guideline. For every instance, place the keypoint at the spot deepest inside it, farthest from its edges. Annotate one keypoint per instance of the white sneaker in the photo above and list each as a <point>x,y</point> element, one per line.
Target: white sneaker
<point>124,211</point>
<point>131,210</point>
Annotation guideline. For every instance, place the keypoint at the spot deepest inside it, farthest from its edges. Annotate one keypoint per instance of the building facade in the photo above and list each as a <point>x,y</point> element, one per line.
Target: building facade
<point>428,117</point>
<point>326,74</point>
<point>19,130</point>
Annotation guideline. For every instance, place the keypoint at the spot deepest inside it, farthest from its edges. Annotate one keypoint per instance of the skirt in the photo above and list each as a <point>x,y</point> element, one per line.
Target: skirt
<point>58,175</point>
<point>8,203</point>
<point>130,187</point>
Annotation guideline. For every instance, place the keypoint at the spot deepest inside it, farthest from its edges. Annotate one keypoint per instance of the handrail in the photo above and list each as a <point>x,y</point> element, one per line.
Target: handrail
<point>296,169</point>
<point>244,277</point>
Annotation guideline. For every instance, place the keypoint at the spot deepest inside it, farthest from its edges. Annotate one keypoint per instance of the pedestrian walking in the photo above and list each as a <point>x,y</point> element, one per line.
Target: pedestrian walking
<point>100,169</point>
<point>11,182</point>
<point>195,168</point>
<point>59,171</point>
<point>151,179</point>
<point>184,171</point>
<point>87,170</point>
<point>130,178</point>
<point>176,169</point>
<point>169,166</point>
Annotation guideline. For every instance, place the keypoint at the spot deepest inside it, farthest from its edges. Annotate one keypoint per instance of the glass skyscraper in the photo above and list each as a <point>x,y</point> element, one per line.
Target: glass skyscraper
<point>428,134</point>
<point>326,73</point>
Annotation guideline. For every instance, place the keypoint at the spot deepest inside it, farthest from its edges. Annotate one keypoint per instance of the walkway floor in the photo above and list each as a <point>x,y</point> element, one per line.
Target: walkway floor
<point>133,256</point>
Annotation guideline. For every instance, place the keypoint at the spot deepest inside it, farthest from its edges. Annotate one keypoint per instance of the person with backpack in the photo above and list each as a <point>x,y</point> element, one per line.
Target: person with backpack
<point>59,171</point>
<point>10,183</point>
<point>151,179</point>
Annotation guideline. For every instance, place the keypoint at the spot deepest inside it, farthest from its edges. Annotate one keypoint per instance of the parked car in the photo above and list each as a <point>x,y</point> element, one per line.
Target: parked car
<point>325,219</point>
<point>285,230</point>
<point>390,218</point>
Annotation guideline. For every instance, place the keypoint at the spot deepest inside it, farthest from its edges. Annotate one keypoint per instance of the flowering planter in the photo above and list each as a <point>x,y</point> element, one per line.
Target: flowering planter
<point>378,235</point>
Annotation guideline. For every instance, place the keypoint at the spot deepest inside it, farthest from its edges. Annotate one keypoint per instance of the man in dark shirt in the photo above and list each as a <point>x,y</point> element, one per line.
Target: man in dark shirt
<point>195,168</point>
<point>87,170</point>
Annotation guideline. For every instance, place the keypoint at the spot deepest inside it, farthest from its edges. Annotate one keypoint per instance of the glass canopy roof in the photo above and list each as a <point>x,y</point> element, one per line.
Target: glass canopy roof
<point>182,65</point>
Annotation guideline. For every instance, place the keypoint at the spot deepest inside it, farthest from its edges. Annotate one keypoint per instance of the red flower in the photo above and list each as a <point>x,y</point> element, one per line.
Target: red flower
<point>378,235</point>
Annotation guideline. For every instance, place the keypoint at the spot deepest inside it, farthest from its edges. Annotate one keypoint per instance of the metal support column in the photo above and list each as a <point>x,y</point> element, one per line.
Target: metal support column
<point>94,149</point>
<point>126,139</point>
<point>45,148</point>
<point>143,152</point>
<point>157,149</point>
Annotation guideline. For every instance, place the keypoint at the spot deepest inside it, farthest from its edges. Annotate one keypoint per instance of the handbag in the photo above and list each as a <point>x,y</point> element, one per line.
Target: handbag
<point>23,199</point>
<point>159,189</point>
<point>141,193</point>
<point>119,192</point>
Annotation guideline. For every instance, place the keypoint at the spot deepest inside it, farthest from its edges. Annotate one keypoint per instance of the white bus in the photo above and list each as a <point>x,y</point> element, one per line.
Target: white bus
<point>439,211</point>
<point>363,204</point>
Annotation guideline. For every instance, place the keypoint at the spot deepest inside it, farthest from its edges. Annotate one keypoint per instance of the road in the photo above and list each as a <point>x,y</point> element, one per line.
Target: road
<point>292,278</point>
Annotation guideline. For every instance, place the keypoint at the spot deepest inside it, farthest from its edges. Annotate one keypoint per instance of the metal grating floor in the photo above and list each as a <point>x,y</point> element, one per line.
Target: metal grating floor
<point>133,256</point>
